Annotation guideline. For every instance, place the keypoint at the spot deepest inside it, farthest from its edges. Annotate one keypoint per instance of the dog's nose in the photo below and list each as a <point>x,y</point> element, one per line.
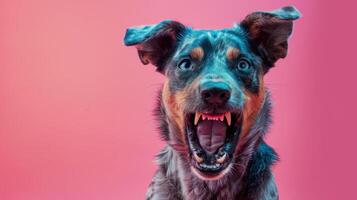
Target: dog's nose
<point>216,93</point>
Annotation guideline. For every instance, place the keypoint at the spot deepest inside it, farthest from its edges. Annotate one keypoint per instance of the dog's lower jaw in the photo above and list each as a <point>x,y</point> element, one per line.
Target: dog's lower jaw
<point>219,176</point>
<point>174,180</point>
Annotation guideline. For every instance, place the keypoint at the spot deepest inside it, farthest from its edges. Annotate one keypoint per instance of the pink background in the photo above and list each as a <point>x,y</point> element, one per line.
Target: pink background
<point>75,104</point>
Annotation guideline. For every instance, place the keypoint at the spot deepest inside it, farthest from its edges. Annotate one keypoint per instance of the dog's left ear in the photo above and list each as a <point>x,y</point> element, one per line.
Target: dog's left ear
<point>269,33</point>
<point>155,43</point>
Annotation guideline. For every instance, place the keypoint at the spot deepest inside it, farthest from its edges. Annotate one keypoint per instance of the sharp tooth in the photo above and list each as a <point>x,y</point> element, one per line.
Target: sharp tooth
<point>197,158</point>
<point>221,118</point>
<point>229,118</point>
<point>197,117</point>
<point>222,158</point>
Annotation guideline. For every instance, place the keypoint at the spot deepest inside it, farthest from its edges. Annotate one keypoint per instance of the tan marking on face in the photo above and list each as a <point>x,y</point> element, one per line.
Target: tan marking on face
<point>174,105</point>
<point>174,114</point>
<point>197,53</point>
<point>251,108</point>
<point>232,53</point>
<point>186,93</point>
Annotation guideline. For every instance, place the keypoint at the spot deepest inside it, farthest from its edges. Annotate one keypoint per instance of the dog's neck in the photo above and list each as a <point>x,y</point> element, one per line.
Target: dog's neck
<point>175,165</point>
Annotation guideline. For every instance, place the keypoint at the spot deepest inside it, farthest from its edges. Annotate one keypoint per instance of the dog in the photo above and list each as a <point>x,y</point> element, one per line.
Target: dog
<point>213,108</point>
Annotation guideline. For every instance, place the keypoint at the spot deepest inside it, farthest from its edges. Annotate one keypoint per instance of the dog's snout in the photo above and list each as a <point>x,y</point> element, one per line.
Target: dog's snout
<point>216,93</point>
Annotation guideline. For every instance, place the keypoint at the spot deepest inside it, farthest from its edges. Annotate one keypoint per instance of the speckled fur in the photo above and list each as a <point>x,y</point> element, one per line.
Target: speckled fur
<point>261,38</point>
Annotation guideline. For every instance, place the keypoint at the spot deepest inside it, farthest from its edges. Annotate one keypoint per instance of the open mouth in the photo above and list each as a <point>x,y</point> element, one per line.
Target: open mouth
<point>212,138</point>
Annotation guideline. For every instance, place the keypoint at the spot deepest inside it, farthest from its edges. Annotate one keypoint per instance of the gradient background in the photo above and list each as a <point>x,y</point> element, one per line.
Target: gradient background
<point>76,105</point>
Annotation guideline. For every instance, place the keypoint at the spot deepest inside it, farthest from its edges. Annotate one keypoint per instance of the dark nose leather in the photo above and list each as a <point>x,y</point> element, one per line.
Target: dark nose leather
<point>216,93</point>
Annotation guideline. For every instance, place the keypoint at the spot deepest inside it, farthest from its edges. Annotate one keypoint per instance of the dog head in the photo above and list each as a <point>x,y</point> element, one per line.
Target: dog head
<point>214,88</point>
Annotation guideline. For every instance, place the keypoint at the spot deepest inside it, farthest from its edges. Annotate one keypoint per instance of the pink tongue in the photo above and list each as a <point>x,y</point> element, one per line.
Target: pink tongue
<point>211,134</point>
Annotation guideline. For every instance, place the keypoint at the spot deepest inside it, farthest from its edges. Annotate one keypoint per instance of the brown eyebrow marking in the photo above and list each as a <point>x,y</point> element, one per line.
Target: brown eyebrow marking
<point>232,53</point>
<point>197,53</point>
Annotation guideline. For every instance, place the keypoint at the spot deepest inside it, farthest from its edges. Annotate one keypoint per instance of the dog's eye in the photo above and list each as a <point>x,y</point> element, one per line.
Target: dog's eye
<point>244,65</point>
<point>185,64</point>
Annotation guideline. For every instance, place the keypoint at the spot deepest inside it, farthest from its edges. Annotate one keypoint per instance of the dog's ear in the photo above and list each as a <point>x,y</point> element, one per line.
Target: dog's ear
<point>155,43</point>
<point>269,33</point>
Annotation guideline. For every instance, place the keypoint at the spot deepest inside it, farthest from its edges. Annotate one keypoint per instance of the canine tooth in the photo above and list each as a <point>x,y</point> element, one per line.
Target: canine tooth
<point>197,117</point>
<point>197,158</point>
<point>229,118</point>
<point>222,158</point>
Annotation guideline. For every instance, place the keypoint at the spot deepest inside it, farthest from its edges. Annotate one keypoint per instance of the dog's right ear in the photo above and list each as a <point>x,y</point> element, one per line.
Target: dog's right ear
<point>155,43</point>
<point>269,32</point>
